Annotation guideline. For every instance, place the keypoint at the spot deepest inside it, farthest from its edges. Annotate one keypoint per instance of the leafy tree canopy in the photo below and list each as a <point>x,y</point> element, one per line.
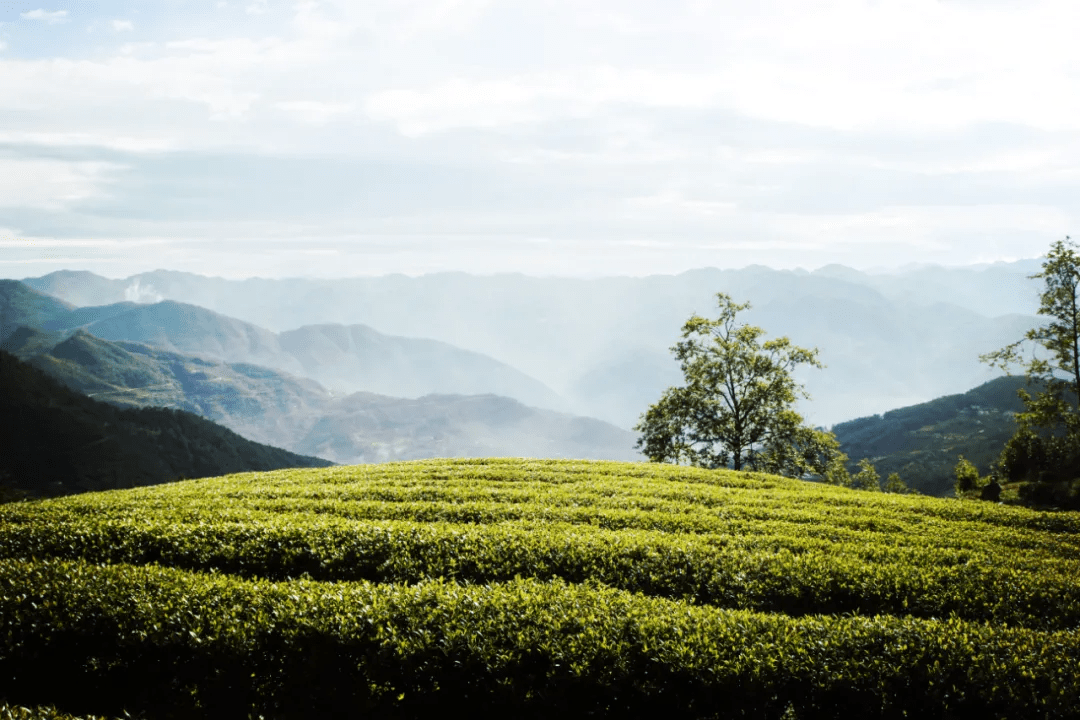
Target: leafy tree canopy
<point>1046,445</point>
<point>867,478</point>
<point>894,484</point>
<point>967,476</point>
<point>736,406</point>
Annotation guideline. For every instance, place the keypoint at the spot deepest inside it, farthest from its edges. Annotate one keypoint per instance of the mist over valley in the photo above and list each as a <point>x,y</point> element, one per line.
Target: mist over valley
<point>596,347</point>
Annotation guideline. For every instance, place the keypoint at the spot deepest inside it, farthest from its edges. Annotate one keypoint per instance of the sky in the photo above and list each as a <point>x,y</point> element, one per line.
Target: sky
<point>548,137</point>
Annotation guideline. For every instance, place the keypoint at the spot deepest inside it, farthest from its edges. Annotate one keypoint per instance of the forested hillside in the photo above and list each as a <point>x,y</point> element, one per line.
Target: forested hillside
<point>54,441</point>
<point>922,442</point>
<point>22,305</point>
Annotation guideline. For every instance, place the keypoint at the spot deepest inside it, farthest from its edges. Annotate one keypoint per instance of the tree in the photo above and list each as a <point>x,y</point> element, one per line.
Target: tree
<point>1046,445</point>
<point>894,484</point>
<point>735,408</point>
<point>867,478</point>
<point>967,476</point>
<point>837,472</point>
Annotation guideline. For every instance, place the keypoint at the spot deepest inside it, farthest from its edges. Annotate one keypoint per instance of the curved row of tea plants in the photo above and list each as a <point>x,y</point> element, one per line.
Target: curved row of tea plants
<point>536,587</point>
<point>785,573</point>
<point>204,644</point>
<point>41,712</point>
<point>722,539</point>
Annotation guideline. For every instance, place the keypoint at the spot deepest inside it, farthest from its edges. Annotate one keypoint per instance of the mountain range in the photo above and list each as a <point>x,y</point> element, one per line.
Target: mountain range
<point>347,358</point>
<point>602,345</point>
<point>272,406</point>
<point>262,353</point>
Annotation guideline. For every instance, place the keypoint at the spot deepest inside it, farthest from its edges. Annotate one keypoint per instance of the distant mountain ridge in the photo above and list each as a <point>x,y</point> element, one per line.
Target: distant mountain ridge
<point>274,407</point>
<point>353,358</point>
<point>888,340</point>
<point>259,403</point>
<point>180,327</point>
<point>458,426</point>
<point>23,305</point>
<point>359,358</point>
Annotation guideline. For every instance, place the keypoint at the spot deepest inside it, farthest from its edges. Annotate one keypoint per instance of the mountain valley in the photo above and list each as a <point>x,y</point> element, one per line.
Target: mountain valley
<point>277,408</point>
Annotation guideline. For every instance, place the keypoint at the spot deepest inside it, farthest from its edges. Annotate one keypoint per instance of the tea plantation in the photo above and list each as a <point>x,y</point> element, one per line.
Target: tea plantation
<point>535,589</point>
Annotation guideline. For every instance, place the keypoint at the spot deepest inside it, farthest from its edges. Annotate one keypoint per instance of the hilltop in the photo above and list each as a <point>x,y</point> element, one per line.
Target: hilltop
<point>537,589</point>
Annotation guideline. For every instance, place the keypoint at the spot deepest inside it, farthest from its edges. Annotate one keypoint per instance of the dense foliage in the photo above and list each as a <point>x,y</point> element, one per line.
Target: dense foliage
<point>1046,447</point>
<point>535,588</point>
<point>20,712</point>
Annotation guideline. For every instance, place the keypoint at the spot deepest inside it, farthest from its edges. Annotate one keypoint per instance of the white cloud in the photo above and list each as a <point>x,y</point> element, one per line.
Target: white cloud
<point>684,116</point>
<point>51,184</point>
<point>842,64</point>
<point>129,143</point>
<point>46,16</point>
<point>138,293</point>
<point>314,112</point>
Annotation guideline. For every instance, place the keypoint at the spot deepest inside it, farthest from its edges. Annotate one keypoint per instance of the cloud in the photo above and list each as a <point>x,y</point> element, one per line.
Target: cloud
<point>774,122</point>
<point>314,112</point>
<point>76,139</point>
<point>46,16</point>
<point>51,184</point>
<point>578,92</point>
<point>137,293</point>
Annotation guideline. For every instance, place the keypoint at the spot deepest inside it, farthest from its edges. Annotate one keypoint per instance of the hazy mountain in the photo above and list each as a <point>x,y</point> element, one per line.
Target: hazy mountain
<point>991,290</point>
<point>888,340</point>
<point>922,442</point>
<point>183,328</point>
<point>56,441</point>
<point>23,305</point>
<point>347,359</point>
<point>274,407</point>
<point>81,288</point>
<point>625,386</point>
<point>358,358</point>
<point>372,428</point>
<point>259,403</point>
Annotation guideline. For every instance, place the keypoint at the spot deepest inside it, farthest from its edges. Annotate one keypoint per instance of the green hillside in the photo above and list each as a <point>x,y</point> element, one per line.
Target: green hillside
<point>535,589</point>
<point>22,305</point>
<point>922,442</point>
<point>54,441</point>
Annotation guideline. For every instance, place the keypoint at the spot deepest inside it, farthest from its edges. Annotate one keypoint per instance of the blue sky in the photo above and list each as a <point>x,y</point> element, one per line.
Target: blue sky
<point>556,137</point>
